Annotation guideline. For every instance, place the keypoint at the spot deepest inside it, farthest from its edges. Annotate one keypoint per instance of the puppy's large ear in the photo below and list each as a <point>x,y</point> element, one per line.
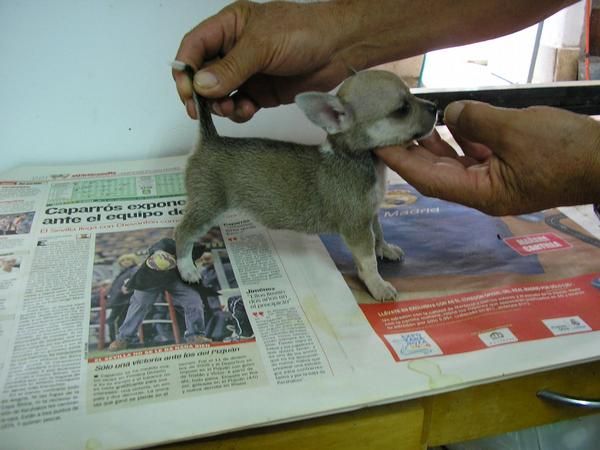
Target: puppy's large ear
<point>326,111</point>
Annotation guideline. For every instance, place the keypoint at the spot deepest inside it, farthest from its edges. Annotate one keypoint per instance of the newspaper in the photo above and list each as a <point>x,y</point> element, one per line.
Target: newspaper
<point>104,346</point>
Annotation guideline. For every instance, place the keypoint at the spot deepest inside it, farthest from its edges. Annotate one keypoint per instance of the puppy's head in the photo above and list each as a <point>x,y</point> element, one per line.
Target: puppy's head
<point>372,109</point>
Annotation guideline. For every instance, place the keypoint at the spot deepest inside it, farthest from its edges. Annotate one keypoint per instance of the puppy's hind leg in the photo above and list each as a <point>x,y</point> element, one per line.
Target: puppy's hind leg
<point>382,248</point>
<point>362,246</point>
<point>195,223</point>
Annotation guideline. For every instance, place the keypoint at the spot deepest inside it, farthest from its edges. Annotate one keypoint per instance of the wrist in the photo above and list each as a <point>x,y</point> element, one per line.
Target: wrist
<point>593,176</point>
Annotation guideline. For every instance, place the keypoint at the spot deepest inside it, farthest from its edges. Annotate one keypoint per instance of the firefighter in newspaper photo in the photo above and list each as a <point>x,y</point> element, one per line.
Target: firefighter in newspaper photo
<point>156,275</point>
<point>232,323</point>
<point>119,294</point>
<point>139,300</point>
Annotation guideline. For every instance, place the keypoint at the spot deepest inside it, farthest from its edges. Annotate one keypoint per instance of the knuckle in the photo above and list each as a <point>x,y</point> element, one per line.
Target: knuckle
<point>229,65</point>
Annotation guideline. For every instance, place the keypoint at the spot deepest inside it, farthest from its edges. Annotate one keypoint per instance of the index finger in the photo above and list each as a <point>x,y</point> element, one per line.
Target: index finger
<point>436,145</point>
<point>183,84</point>
<point>207,40</point>
<point>439,176</point>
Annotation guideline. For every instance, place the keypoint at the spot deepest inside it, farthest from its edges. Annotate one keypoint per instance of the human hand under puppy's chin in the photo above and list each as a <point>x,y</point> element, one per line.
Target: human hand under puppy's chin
<point>514,162</point>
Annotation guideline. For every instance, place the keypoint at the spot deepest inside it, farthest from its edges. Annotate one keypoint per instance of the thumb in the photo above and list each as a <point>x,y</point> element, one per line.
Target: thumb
<point>480,122</point>
<point>224,76</point>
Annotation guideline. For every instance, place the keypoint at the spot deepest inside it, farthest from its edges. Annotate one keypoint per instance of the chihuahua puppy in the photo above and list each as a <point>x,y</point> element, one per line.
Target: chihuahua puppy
<point>332,188</point>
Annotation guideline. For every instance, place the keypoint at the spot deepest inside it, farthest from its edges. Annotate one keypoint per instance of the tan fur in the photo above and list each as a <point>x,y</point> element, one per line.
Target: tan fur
<point>305,188</point>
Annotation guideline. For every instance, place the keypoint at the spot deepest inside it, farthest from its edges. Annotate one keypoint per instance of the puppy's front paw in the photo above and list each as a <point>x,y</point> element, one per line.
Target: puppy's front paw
<point>188,270</point>
<point>390,251</point>
<point>382,290</point>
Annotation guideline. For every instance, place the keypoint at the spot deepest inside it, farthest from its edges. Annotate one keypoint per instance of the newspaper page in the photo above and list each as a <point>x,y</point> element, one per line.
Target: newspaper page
<point>471,281</point>
<point>106,347</point>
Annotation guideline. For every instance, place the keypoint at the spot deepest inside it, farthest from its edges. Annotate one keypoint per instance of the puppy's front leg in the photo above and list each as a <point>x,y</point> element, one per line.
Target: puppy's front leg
<point>187,232</point>
<point>382,248</point>
<point>362,246</point>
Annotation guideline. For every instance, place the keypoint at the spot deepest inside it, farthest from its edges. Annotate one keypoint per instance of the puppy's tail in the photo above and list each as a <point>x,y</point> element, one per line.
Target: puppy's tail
<point>207,127</point>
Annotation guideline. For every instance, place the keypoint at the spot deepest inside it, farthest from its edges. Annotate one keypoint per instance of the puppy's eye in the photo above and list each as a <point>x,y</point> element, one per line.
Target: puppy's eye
<point>404,109</point>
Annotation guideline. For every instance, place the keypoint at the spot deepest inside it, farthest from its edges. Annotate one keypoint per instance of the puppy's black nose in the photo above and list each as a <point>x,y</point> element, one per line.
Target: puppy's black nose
<point>432,108</point>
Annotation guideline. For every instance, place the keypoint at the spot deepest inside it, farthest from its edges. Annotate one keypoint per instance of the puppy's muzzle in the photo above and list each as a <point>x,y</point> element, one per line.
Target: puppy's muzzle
<point>432,108</point>
<point>428,119</point>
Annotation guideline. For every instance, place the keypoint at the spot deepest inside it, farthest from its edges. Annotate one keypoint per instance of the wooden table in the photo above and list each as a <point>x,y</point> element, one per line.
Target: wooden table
<point>458,416</point>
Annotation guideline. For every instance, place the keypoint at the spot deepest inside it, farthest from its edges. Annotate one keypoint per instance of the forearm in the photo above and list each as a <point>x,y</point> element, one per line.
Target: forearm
<point>388,30</point>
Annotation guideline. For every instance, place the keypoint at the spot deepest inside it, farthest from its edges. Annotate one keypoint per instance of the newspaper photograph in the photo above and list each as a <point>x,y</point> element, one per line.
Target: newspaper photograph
<point>98,326</point>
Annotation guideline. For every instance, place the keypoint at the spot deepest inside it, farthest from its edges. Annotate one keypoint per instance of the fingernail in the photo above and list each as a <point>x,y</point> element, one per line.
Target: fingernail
<point>205,80</point>
<point>452,112</point>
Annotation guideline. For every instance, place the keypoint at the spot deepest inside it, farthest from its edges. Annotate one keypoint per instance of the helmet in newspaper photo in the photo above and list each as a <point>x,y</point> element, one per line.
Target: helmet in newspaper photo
<point>161,260</point>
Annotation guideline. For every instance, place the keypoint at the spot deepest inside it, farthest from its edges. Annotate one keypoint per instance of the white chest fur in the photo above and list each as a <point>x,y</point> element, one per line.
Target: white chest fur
<point>380,183</point>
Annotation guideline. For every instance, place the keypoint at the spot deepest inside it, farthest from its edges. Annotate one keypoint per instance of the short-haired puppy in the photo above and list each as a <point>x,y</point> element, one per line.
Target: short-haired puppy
<point>332,188</point>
